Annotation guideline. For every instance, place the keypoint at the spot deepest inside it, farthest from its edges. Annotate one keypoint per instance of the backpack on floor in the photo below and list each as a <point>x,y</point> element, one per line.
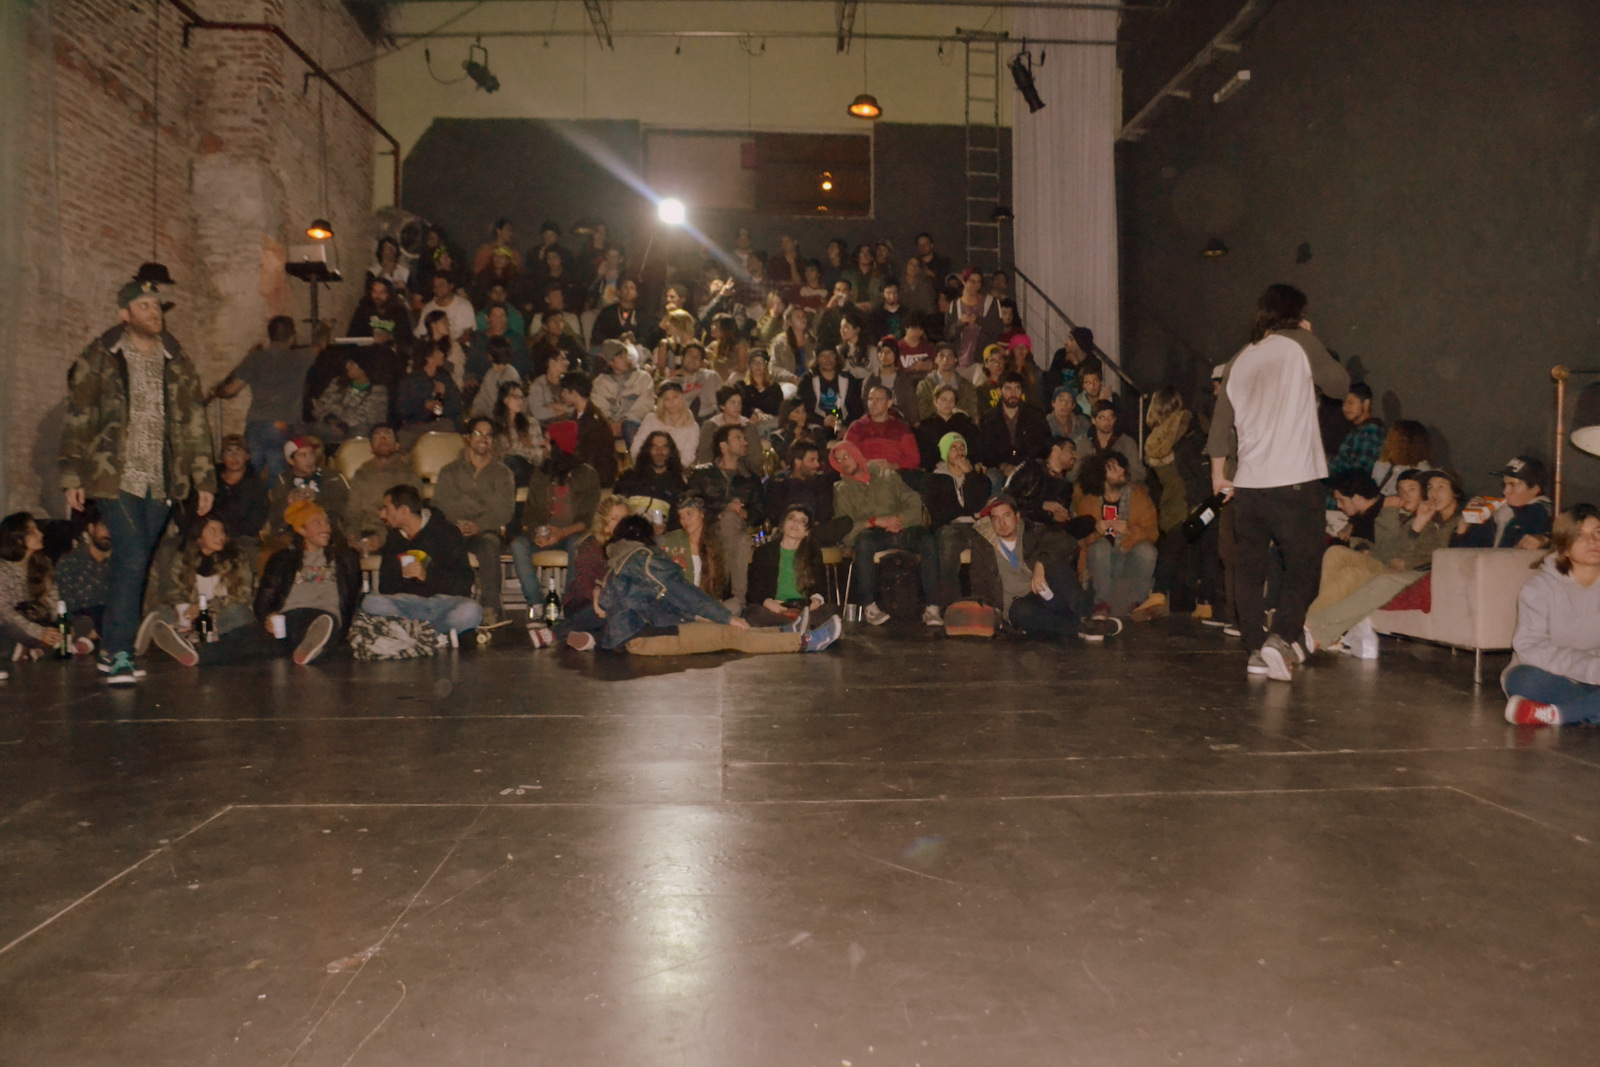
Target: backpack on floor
<point>390,637</point>
<point>968,618</point>
<point>900,585</point>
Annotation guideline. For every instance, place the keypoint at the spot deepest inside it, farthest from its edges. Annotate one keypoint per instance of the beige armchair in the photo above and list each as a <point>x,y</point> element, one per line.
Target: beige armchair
<point>1475,594</point>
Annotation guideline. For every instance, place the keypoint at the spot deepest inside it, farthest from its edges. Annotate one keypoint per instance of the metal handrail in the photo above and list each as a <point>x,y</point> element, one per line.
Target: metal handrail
<point>1098,353</point>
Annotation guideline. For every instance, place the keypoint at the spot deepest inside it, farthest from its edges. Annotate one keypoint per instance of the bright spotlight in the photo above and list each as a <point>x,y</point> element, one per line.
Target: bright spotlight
<point>671,211</point>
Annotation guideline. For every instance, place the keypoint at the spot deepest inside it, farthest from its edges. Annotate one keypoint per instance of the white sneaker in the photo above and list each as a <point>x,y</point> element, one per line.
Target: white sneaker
<point>874,615</point>
<point>1279,658</point>
<point>1362,640</point>
<point>931,616</point>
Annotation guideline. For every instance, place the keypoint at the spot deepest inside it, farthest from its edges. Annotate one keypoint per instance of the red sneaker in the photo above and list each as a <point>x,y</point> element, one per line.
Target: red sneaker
<point>1525,712</point>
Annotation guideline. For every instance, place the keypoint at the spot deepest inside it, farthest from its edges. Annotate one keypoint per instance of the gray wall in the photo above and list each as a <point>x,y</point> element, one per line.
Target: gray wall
<point>1442,161</point>
<point>465,173</point>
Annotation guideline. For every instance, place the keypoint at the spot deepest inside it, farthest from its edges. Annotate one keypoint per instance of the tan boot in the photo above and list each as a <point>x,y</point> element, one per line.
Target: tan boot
<point>1155,604</point>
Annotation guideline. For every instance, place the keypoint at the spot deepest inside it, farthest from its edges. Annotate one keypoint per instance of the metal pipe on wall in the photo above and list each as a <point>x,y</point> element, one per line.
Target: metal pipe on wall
<point>196,21</point>
<point>795,35</point>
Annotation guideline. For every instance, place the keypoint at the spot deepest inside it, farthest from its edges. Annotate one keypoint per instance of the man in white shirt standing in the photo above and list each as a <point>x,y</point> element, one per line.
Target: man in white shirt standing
<point>1267,416</point>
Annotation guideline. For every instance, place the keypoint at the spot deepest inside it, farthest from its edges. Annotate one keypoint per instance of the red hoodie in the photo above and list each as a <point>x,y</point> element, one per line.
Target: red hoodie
<point>890,439</point>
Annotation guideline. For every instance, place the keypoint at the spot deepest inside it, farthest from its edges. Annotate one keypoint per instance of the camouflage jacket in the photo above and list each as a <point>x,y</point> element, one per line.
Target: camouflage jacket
<point>97,417</point>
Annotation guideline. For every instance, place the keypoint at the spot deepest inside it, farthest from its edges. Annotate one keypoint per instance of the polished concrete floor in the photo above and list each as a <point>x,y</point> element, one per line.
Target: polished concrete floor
<point>909,850</point>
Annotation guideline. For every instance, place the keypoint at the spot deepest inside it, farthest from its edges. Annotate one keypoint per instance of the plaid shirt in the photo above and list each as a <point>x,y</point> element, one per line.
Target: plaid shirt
<point>1359,450</point>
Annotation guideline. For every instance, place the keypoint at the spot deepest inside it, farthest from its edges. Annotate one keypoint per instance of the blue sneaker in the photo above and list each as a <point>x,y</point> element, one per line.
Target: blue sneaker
<point>822,636</point>
<point>103,665</point>
<point>122,672</point>
<point>801,621</point>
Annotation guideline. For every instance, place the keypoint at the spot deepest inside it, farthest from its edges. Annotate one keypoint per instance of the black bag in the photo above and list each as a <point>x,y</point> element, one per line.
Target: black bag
<point>900,585</point>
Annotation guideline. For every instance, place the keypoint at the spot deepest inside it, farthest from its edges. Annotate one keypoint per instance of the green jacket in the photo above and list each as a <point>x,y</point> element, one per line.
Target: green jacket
<point>884,494</point>
<point>97,417</point>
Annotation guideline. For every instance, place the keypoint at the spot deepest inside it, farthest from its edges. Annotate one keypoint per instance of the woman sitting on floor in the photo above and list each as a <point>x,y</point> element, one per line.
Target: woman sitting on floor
<point>27,590</point>
<point>309,590</point>
<point>695,549</point>
<point>1554,677</point>
<point>210,568</point>
<point>588,567</point>
<point>650,609</point>
<point>786,573</point>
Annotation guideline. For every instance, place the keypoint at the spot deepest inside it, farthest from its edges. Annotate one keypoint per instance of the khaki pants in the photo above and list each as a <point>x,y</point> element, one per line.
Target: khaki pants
<point>696,637</point>
<point>1354,585</point>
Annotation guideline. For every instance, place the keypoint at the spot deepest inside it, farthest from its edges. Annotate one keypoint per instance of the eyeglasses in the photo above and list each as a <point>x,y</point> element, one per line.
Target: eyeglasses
<point>481,433</point>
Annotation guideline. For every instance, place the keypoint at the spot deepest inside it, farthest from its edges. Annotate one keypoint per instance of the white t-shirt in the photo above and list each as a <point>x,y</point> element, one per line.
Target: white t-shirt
<point>1275,415</point>
<point>460,313</point>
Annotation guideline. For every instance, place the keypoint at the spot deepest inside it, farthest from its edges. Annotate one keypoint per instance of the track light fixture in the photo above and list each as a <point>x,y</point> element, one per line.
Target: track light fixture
<point>478,70</point>
<point>1022,73</point>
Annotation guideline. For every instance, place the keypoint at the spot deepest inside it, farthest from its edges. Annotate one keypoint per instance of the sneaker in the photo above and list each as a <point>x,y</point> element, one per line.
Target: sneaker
<point>1524,712</point>
<point>82,646</point>
<point>1155,604</point>
<point>874,615</point>
<point>1361,641</point>
<point>1097,630</point>
<point>800,624</point>
<point>147,629</point>
<point>121,672</point>
<point>932,616</point>
<point>1300,654</point>
<point>1231,629</point>
<point>1309,642</point>
<point>1255,665</point>
<point>580,641</point>
<point>822,636</point>
<point>103,665</point>
<point>1279,658</point>
<point>1202,613</point>
<point>1102,610</point>
<point>173,644</point>
<point>316,639</point>
<point>4,675</point>
<point>541,636</point>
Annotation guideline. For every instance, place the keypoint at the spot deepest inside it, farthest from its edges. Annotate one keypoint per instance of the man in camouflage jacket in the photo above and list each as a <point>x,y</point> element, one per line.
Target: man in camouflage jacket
<point>136,439</point>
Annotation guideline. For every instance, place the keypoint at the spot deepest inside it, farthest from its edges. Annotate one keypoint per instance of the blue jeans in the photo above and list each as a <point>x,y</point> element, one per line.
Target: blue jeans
<point>911,539</point>
<point>522,550</point>
<point>443,613</point>
<point>136,525</point>
<point>1579,702</point>
<point>266,443</point>
<point>1121,579</point>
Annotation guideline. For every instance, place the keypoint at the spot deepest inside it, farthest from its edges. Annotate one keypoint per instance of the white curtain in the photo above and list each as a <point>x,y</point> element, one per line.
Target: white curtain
<point>1064,170</point>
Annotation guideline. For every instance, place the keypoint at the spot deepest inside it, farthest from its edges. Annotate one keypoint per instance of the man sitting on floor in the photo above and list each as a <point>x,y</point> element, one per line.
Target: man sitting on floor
<point>1028,573</point>
<point>424,573</point>
<point>479,494</point>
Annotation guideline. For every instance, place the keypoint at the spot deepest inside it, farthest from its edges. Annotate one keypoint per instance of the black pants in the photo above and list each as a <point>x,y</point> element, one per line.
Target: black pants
<point>1291,515</point>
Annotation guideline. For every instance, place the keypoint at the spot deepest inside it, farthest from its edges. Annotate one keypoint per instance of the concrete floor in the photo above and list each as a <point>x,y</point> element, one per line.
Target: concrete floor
<point>909,850</point>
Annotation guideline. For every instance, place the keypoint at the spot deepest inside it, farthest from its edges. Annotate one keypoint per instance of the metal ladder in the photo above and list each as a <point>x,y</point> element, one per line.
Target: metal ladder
<point>983,149</point>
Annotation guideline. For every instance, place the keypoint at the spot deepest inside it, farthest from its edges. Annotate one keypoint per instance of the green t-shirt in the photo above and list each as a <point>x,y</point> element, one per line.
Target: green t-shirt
<point>787,588</point>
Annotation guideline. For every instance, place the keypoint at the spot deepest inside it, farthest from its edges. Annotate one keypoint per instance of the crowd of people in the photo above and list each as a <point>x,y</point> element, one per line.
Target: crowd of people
<point>696,458</point>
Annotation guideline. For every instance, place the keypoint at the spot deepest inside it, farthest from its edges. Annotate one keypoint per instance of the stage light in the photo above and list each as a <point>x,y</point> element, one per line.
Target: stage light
<point>865,106</point>
<point>319,230</point>
<point>1022,73</point>
<point>671,211</point>
<point>479,71</point>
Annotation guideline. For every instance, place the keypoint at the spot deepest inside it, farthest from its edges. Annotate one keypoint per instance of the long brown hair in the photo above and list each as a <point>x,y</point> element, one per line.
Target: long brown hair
<point>1407,444</point>
<point>1564,531</point>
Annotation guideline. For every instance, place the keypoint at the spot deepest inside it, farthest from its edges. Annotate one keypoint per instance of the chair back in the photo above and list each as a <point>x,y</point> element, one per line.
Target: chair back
<point>432,452</point>
<point>351,455</point>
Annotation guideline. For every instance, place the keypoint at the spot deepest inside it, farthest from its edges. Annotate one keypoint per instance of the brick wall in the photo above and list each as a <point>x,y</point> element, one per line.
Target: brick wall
<point>240,175</point>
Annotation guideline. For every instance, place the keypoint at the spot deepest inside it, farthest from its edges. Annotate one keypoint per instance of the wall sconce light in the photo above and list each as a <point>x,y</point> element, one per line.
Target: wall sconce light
<point>1214,249</point>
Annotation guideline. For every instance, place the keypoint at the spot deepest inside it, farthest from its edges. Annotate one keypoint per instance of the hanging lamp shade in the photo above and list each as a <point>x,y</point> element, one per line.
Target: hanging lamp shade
<point>865,106</point>
<point>154,272</point>
<point>320,229</point>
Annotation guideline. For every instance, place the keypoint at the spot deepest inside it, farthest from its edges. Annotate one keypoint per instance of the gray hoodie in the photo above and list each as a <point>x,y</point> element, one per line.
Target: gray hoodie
<point>1558,626</point>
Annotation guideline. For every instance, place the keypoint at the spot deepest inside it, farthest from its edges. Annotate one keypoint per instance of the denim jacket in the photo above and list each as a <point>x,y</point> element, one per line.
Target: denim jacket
<point>643,589</point>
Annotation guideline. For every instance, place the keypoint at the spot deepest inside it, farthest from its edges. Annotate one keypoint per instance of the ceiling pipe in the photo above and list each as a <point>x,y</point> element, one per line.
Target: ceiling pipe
<point>196,21</point>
